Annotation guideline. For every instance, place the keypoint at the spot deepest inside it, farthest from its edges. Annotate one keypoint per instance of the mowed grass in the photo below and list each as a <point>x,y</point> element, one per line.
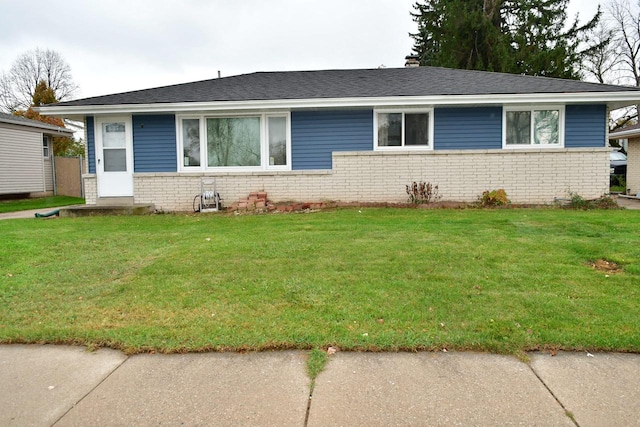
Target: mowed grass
<point>38,203</point>
<point>503,281</point>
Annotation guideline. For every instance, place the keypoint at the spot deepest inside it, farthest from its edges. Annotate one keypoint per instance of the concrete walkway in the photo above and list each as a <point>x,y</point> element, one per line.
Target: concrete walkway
<point>28,214</point>
<point>69,386</point>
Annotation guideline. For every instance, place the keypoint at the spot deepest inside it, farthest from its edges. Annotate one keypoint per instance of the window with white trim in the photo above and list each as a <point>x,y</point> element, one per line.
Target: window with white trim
<point>537,127</point>
<point>46,146</point>
<point>397,129</point>
<point>235,142</point>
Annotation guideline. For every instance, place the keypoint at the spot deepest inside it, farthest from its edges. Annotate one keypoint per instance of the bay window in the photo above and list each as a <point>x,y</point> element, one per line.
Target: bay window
<point>241,142</point>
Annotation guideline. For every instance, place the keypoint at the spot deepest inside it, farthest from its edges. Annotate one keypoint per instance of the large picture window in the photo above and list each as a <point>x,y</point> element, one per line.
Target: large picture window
<point>403,129</point>
<point>233,141</point>
<point>533,127</point>
<point>250,142</point>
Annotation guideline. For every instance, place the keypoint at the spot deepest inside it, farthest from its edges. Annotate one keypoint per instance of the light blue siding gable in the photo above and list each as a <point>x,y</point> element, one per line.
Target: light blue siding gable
<point>585,126</point>
<point>91,143</point>
<point>467,128</point>
<point>316,134</point>
<point>154,143</point>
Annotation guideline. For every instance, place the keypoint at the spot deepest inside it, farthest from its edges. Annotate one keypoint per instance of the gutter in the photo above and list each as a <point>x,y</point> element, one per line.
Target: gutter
<point>613,99</point>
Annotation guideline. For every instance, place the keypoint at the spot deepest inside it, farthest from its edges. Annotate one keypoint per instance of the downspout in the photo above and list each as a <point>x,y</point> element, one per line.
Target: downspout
<point>53,170</point>
<point>44,175</point>
<point>81,182</point>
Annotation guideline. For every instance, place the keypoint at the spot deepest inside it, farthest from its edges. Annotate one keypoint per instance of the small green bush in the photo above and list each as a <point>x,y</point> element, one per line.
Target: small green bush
<point>576,201</point>
<point>493,198</point>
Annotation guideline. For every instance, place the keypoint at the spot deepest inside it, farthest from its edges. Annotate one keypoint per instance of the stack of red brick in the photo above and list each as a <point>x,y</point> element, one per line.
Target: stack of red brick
<point>257,202</point>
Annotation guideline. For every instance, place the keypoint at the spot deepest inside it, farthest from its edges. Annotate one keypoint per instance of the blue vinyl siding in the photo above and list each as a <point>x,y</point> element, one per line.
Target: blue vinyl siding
<point>467,128</point>
<point>154,143</point>
<point>585,126</point>
<point>91,144</point>
<point>316,134</point>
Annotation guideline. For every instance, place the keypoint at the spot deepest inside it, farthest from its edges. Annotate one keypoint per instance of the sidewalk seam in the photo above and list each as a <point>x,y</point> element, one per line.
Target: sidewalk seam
<point>306,416</point>
<point>566,411</point>
<point>90,391</point>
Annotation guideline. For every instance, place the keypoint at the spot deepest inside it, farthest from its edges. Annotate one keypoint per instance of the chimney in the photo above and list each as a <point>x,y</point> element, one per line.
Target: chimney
<point>412,61</point>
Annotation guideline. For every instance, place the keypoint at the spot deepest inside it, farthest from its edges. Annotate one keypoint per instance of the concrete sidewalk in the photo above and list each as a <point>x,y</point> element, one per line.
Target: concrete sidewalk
<point>68,386</point>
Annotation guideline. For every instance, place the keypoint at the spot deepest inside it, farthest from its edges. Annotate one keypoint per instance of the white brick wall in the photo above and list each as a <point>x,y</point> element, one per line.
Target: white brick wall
<point>528,176</point>
<point>90,188</point>
<point>633,166</point>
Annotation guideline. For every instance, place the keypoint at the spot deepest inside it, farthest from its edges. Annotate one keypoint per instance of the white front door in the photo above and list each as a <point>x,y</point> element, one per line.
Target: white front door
<point>114,157</point>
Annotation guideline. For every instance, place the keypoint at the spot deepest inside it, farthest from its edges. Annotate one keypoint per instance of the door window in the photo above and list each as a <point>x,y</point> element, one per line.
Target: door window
<point>114,146</point>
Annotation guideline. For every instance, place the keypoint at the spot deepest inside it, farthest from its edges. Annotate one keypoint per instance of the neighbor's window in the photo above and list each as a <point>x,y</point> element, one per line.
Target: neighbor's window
<point>45,146</point>
<point>533,127</point>
<point>403,129</point>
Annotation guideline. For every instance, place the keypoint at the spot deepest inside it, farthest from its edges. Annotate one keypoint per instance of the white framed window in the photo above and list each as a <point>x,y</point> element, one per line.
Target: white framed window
<point>190,153</point>
<point>46,146</point>
<point>539,126</point>
<point>241,142</point>
<point>403,129</point>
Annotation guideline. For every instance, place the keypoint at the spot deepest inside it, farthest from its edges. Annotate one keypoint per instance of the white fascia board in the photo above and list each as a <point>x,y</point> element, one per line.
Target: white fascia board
<point>625,134</point>
<point>613,99</point>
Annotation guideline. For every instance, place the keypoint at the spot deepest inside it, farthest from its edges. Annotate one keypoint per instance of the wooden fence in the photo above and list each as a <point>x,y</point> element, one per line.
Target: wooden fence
<point>68,174</point>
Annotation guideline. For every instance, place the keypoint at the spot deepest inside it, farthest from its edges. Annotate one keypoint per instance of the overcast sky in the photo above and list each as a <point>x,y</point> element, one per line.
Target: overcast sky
<point>116,46</point>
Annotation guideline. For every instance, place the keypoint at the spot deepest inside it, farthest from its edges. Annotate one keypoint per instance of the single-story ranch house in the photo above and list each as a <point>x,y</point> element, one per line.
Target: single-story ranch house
<point>350,135</point>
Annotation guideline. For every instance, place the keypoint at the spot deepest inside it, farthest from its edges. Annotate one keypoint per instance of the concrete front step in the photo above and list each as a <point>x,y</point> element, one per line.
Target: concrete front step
<point>115,201</point>
<point>95,210</point>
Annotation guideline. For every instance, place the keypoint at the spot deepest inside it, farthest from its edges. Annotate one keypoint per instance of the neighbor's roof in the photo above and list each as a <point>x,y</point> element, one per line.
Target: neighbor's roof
<point>626,132</point>
<point>21,121</point>
<point>426,83</point>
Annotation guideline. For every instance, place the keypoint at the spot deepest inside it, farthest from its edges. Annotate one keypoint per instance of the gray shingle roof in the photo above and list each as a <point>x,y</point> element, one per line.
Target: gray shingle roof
<point>17,120</point>
<point>419,81</point>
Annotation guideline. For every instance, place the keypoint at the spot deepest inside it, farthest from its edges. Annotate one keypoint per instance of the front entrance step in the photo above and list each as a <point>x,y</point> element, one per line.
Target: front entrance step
<point>115,201</point>
<point>95,210</point>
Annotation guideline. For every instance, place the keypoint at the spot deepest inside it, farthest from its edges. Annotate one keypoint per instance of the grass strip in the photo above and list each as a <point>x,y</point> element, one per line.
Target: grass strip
<point>38,203</point>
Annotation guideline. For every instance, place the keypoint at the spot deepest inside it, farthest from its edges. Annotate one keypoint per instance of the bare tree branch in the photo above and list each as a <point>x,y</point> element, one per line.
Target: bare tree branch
<point>18,85</point>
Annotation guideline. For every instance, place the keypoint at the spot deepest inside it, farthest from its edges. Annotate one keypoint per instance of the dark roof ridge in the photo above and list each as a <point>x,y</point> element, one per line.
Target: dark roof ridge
<point>347,83</point>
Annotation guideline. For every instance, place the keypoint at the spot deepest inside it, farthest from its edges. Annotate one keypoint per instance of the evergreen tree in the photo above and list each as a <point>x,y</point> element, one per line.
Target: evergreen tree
<point>512,36</point>
<point>460,34</point>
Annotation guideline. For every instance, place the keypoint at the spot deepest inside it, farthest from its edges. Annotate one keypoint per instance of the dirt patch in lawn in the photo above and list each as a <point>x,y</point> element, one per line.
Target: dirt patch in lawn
<point>605,265</point>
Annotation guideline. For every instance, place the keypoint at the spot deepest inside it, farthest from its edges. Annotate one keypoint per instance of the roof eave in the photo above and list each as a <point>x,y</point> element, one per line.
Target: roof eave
<point>613,100</point>
<point>44,127</point>
<point>622,134</point>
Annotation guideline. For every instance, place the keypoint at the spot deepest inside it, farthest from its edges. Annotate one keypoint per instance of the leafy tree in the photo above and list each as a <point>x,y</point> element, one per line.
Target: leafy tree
<point>18,86</point>
<point>512,36</point>
<point>62,146</point>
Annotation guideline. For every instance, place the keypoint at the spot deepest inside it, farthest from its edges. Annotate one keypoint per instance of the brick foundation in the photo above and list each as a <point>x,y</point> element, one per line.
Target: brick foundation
<point>528,176</point>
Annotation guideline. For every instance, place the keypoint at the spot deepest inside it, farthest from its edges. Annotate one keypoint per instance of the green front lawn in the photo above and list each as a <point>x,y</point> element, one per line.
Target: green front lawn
<point>39,203</point>
<point>370,279</point>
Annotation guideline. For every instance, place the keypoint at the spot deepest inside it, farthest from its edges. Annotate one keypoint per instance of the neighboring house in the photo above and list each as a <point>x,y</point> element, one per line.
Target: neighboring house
<point>26,155</point>
<point>632,135</point>
<point>350,135</point>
